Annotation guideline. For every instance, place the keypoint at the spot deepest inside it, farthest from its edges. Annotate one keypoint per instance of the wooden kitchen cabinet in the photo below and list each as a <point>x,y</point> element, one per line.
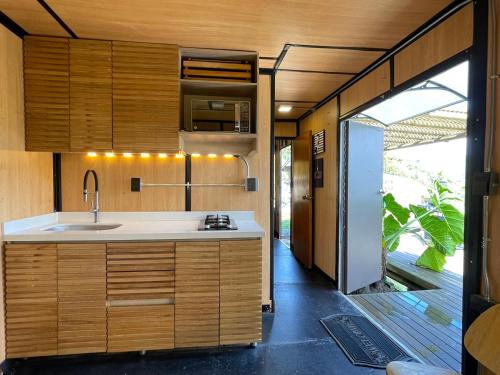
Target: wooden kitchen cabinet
<point>145,97</point>
<point>240,291</point>
<point>46,92</point>
<point>94,95</point>
<point>79,298</point>
<point>30,300</point>
<point>197,294</point>
<point>81,290</point>
<point>90,95</point>
<point>140,294</point>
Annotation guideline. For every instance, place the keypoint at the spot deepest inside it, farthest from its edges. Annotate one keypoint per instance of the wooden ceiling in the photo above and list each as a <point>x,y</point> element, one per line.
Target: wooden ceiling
<point>260,25</point>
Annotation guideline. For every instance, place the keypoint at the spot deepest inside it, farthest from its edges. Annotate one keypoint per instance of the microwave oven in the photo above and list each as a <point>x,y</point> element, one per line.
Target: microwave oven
<point>217,113</point>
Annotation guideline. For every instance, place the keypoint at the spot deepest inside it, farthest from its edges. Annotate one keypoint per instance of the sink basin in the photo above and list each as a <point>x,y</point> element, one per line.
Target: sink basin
<point>80,227</point>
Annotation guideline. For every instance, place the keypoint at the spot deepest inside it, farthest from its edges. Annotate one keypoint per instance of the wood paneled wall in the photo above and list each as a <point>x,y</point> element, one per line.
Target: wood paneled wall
<point>369,87</point>
<point>232,171</point>
<point>285,129</point>
<point>325,198</point>
<point>25,177</point>
<point>114,182</point>
<point>444,41</point>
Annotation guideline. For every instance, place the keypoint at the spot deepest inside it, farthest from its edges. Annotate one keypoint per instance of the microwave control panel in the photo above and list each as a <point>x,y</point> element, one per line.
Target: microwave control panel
<point>244,123</point>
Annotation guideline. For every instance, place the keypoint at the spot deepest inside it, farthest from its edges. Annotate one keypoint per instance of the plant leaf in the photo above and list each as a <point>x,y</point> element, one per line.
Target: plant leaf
<point>432,259</point>
<point>391,227</point>
<point>437,229</point>
<point>454,219</point>
<point>402,214</point>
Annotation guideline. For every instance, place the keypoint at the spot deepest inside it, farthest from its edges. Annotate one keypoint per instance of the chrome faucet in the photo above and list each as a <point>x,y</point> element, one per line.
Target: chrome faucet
<point>94,206</point>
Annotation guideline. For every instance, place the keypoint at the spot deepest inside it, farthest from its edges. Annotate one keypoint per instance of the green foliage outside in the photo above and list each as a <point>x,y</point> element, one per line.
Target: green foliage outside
<point>439,226</point>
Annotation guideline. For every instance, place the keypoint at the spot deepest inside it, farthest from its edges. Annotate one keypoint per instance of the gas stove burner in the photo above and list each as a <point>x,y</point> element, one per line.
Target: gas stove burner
<point>218,222</point>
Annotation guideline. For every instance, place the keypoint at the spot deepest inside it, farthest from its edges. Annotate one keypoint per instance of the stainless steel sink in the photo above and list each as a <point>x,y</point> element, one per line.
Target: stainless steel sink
<point>81,227</point>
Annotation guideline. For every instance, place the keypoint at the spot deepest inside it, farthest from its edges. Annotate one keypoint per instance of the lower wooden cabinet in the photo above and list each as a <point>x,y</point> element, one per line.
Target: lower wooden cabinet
<point>118,297</point>
<point>136,328</point>
<point>196,294</point>
<point>240,291</point>
<point>81,279</point>
<point>31,300</point>
<point>140,293</point>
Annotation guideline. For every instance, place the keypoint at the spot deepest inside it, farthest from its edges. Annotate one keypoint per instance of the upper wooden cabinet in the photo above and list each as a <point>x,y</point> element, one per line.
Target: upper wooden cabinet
<point>145,97</point>
<point>90,95</point>
<point>46,90</point>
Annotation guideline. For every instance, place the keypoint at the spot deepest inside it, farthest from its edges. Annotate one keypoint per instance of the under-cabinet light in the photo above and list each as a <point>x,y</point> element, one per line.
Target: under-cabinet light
<point>145,155</point>
<point>127,155</point>
<point>212,156</point>
<point>162,156</point>
<point>284,108</point>
<point>109,154</point>
<point>179,155</point>
<point>92,154</point>
<point>195,155</point>
<point>228,156</point>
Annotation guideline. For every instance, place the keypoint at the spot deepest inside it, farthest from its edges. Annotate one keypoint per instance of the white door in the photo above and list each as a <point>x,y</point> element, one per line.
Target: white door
<point>361,177</point>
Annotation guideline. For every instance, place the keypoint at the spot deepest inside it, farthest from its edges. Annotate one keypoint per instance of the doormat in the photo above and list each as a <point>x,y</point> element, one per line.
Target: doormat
<point>362,342</point>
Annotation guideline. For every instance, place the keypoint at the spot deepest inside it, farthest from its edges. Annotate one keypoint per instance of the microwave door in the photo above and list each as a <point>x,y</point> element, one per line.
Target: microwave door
<point>212,115</point>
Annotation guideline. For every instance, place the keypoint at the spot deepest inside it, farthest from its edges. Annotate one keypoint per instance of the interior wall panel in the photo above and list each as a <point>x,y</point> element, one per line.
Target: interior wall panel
<point>25,177</point>
<point>285,129</point>
<point>114,182</point>
<point>367,88</point>
<point>325,198</point>
<point>452,36</point>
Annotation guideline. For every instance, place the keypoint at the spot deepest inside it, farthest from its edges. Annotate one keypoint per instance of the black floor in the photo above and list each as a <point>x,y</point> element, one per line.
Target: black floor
<point>294,341</point>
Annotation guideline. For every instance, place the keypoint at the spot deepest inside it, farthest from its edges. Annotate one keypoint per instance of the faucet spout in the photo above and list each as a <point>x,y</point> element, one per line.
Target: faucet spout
<point>95,206</point>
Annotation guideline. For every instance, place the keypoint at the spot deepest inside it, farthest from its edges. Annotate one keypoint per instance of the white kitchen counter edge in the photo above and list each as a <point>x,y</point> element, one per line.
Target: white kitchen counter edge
<point>140,226</point>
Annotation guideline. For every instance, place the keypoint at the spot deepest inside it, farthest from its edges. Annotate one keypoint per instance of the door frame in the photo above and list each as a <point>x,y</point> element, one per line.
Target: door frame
<point>476,114</point>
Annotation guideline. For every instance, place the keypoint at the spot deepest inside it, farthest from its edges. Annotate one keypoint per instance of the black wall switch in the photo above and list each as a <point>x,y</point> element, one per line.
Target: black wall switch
<point>135,184</point>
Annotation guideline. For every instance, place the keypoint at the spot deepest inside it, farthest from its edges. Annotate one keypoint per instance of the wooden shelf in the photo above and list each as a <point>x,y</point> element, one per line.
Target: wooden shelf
<point>222,88</point>
<point>217,143</point>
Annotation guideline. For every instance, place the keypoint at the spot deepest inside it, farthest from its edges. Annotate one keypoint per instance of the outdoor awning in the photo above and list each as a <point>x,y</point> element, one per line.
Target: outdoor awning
<point>436,126</point>
<point>434,110</point>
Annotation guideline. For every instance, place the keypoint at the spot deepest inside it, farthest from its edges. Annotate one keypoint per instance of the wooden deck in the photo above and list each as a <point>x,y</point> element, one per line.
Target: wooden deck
<point>427,322</point>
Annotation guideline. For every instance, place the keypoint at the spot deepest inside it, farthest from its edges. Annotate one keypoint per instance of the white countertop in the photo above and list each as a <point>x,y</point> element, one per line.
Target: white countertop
<point>136,226</point>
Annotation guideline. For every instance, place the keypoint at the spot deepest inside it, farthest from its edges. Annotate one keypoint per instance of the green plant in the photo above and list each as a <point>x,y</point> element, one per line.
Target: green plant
<point>442,223</point>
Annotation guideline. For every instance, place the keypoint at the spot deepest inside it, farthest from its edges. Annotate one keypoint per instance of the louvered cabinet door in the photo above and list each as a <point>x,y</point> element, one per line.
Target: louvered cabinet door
<point>145,97</point>
<point>46,92</point>
<point>197,294</point>
<point>91,95</point>
<point>240,291</point>
<point>81,286</point>
<point>31,300</point>
<point>140,294</point>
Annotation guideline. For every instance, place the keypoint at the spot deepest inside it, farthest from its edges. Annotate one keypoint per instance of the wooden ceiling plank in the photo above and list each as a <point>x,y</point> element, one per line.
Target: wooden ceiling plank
<point>263,26</point>
<point>328,59</point>
<point>296,86</point>
<point>32,17</point>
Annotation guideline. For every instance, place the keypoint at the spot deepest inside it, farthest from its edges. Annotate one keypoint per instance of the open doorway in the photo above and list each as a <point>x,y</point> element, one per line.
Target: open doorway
<point>285,202</point>
<point>283,193</point>
<point>402,180</point>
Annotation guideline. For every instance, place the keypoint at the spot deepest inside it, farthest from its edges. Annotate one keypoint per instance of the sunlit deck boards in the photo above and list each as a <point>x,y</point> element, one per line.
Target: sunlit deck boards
<point>427,322</point>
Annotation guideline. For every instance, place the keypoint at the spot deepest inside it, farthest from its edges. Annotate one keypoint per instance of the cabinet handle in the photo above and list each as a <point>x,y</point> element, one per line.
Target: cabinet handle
<point>141,302</point>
